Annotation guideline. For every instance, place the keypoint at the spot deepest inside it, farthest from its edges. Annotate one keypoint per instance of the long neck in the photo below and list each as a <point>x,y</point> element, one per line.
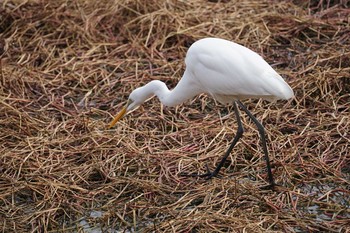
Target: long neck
<point>183,91</point>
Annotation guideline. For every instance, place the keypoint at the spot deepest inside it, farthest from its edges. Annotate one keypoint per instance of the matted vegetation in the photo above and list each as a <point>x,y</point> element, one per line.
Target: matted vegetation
<point>68,66</point>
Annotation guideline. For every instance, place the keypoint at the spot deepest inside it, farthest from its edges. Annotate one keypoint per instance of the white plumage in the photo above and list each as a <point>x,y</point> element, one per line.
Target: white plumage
<point>229,71</point>
<point>225,70</point>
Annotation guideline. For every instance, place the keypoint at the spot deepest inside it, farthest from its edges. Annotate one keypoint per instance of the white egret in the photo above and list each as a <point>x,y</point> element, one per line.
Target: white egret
<point>227,71</point>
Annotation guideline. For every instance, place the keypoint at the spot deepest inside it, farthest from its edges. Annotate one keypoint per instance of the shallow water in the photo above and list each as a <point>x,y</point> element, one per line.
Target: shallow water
<point>327,202</point>
<point>319,203</point>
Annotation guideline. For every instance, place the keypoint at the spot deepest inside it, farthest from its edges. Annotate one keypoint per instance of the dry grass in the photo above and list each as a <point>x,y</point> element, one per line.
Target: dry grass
<point>68,66</point>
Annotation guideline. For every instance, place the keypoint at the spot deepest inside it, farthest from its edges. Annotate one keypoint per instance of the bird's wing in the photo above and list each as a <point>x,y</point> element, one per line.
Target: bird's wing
<point>230,69</point>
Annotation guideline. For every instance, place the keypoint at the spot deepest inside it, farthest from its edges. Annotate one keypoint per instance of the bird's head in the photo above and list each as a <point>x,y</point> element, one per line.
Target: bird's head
<point>136,98</point>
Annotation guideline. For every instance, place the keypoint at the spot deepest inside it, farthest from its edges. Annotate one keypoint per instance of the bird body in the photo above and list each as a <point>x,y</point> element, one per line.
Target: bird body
<point>230,71</point>
<point>225,70</point>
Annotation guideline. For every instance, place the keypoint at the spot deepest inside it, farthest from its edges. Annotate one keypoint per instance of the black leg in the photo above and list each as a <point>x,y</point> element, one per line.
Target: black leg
<point>263,140</point>
<point>238,135</point>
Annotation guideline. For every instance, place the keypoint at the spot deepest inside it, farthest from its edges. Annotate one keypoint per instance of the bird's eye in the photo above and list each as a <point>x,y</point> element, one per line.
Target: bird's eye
<point>130,105</point>
<point>130,101</point>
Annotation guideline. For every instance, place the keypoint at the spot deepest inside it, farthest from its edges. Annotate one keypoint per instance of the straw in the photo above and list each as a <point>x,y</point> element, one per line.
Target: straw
<point>67,67</point>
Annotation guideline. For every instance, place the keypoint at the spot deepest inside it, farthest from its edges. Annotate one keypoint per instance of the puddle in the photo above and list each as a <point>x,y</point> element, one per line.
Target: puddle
<point>318,203</point>
<point>327,202</point>
<point>83,224</point>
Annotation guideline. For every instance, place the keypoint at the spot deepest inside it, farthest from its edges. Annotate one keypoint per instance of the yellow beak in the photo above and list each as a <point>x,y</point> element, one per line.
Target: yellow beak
<point>117,117</point>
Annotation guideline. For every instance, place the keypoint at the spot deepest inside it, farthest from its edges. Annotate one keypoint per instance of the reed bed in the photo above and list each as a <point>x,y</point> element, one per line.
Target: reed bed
<point>68,66</point>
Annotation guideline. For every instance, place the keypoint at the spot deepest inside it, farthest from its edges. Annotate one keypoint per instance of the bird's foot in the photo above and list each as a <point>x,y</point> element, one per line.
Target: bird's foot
<point>208,175</point>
